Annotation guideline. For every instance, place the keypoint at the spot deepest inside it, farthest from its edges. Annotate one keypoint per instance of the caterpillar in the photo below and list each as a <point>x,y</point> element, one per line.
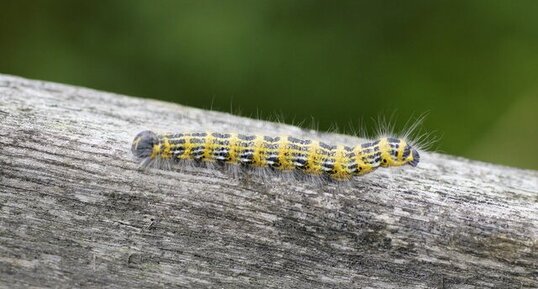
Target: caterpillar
<point>281,153</point>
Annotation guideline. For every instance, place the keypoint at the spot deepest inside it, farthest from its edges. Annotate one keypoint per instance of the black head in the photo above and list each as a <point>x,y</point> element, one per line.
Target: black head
<point>143,144</point>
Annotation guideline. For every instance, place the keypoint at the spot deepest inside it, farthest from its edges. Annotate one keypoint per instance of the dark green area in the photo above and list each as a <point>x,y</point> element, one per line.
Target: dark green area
<point>473,65</point>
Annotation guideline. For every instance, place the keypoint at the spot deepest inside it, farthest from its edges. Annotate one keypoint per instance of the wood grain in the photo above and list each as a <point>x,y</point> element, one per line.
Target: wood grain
<point>76,212</point>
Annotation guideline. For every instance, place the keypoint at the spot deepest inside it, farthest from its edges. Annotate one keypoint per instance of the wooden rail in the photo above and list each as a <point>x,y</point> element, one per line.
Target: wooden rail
<point>76,212</point>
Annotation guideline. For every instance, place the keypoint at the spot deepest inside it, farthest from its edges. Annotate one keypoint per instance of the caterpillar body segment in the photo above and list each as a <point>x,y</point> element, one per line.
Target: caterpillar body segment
<point>281,153</point>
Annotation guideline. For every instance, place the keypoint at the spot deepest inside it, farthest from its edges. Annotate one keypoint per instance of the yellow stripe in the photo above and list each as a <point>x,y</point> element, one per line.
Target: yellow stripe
<point>233,148</point>
<point>363,167</point>
<point>340,163</point>
<point>156,151</point>
<point>384,149</point>
<point>284,153</point>
<point>209,146</point>
<point>314,158</point>
<point>259,151</point>
<point>166,152</point>
<point>188,147</point>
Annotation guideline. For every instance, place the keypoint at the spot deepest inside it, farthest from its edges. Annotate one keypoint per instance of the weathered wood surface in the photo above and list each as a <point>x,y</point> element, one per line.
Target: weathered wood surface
<point>76,212</point>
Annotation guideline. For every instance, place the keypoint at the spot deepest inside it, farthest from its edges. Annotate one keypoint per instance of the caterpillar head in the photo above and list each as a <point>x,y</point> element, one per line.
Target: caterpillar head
<point>144,143</point>
<point>397,152</point>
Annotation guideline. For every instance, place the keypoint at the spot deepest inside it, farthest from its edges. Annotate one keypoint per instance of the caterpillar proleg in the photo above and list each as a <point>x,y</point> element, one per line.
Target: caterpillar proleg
<point>281,153</point>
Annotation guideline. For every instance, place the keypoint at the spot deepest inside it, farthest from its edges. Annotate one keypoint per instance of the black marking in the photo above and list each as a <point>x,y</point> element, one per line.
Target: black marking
<point>327,166</point>
<point>246,137</point>
<point>221,154</point>
<point>198,153</point>
<point>416,158</point>
<point>326,153</point>
<point>297,147</point>
<point>272,146</point>
<point>372,159</point>
<point>177,141</point>
<point>247,156</point>
<point>245,144</point>
<point>271,139</point>
<point>327,146</point>
<point>393,140</point>
<point>407,151</point>
<point>178,152</point>
<point>299,155</point>
<point>299,141</point>
<point>199,134</point>
<point>217,135</point>
<point>299,162</point>
<point>370,144</point>
<point>273,161</point>
<point>222,142</point>
<point>197,140</point>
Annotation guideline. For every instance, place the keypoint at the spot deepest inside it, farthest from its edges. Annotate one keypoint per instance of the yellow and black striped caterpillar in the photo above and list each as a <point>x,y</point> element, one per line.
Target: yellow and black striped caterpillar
<point>281,153</point>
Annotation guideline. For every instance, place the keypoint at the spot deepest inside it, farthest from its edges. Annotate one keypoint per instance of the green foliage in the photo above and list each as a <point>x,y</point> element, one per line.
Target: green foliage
<point>472,64</point>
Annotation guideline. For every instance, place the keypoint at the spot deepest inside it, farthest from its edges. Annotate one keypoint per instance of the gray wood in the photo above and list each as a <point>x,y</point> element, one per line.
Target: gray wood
<point>75,210</point>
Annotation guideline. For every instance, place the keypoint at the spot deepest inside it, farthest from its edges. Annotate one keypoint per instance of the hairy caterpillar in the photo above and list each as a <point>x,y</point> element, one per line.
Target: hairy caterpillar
<point>281,153</point>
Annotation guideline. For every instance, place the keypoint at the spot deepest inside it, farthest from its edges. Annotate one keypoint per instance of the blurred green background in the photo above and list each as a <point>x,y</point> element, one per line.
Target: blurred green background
<point>473,65</point>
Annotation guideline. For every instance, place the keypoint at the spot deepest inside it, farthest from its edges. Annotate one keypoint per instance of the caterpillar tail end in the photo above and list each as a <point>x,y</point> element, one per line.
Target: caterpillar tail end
<point>416,158</point>
<point>143,144</point>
